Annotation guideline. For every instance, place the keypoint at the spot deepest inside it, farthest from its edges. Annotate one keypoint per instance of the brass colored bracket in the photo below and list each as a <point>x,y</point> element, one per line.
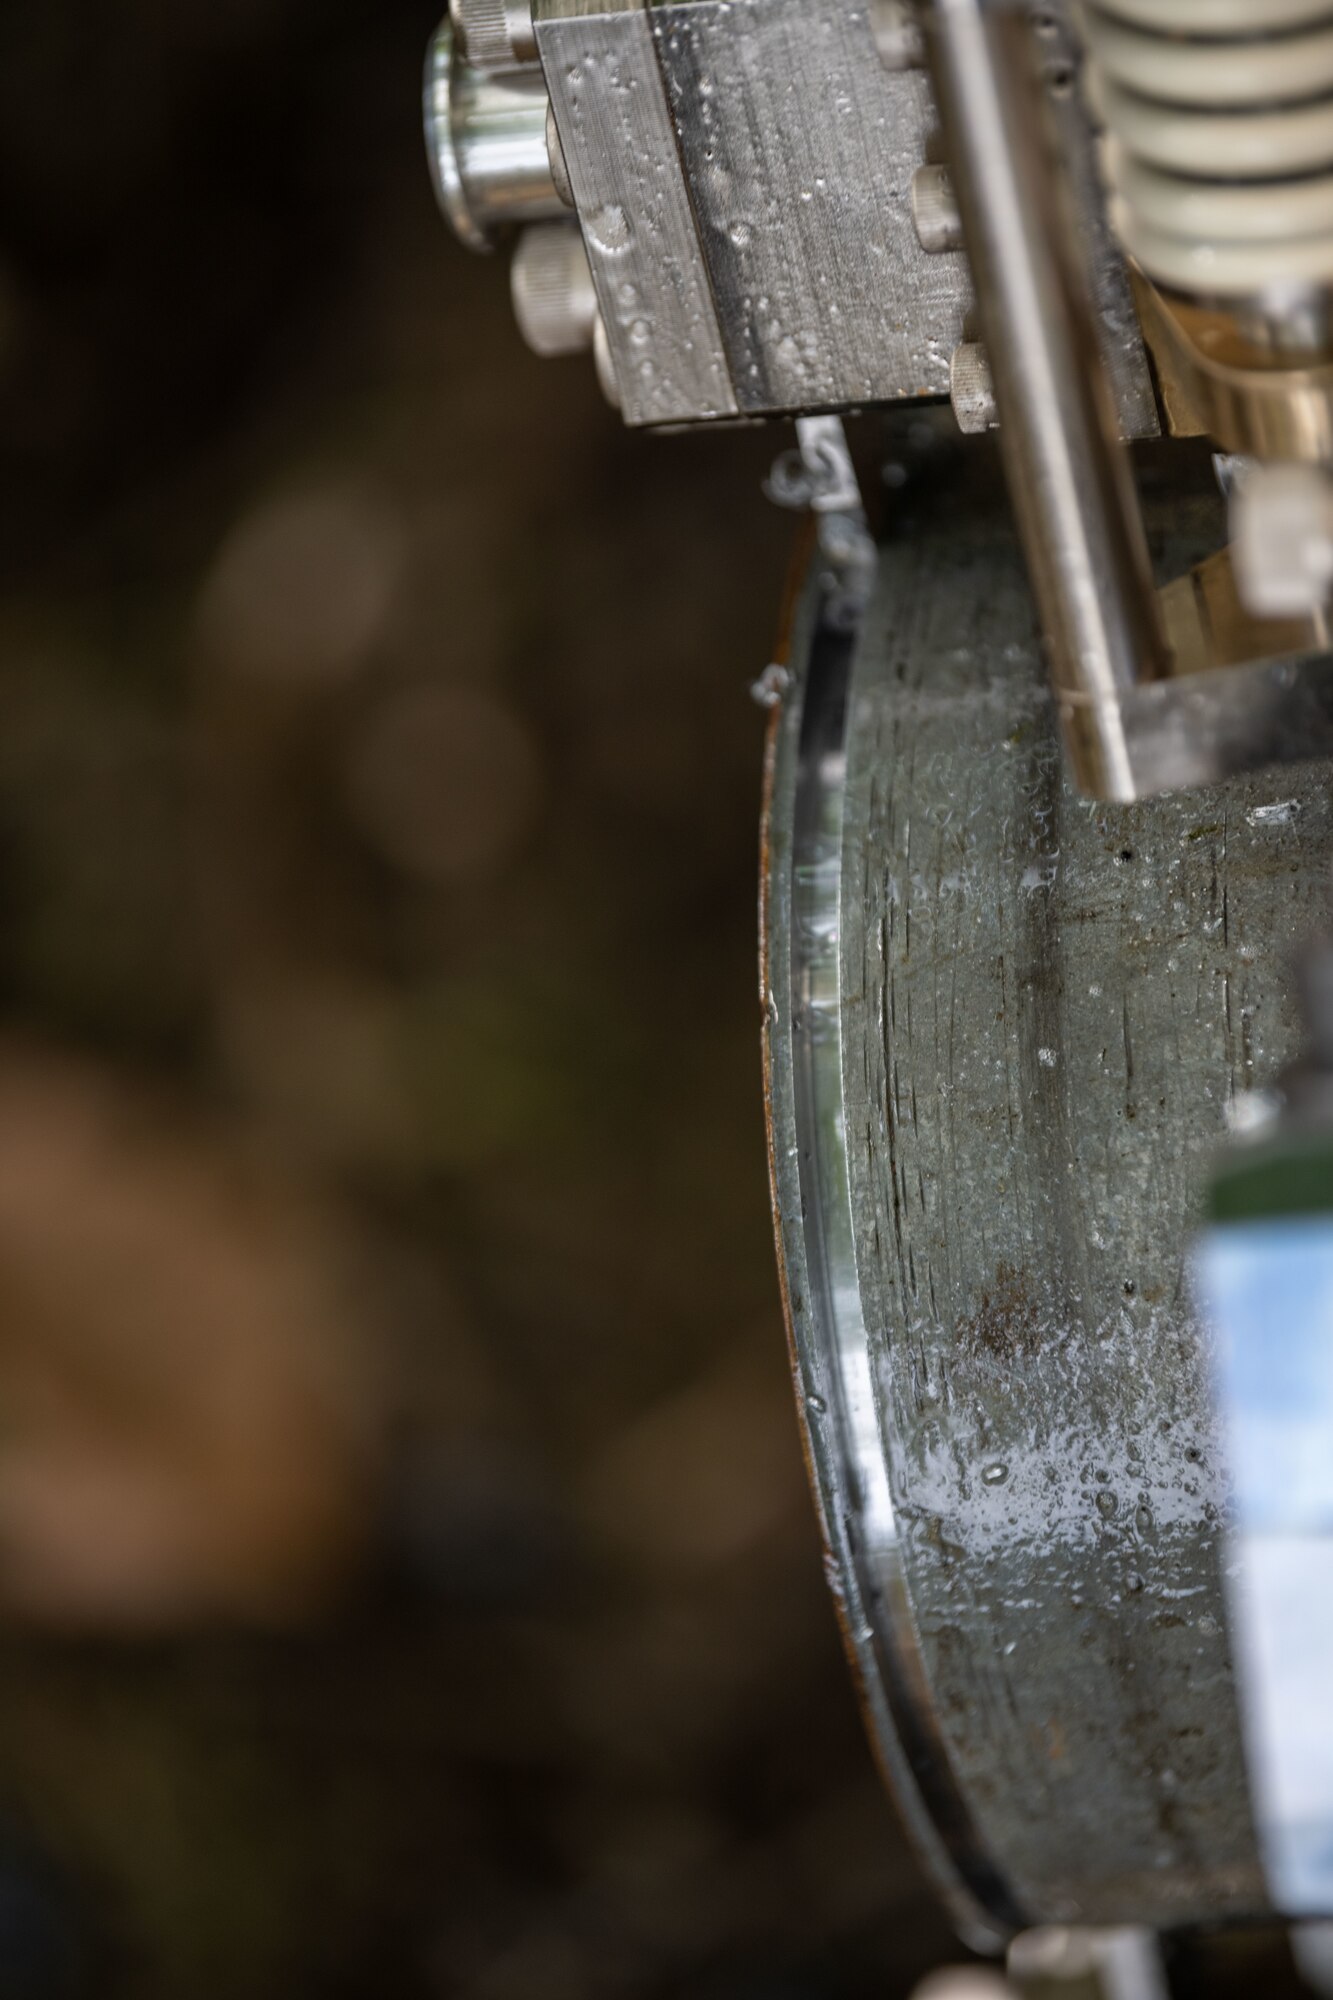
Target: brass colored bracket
<point>1215,382</point>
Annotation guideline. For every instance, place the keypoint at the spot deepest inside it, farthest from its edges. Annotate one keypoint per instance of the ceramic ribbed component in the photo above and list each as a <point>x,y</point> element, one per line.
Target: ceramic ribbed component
<point>1218,154</point>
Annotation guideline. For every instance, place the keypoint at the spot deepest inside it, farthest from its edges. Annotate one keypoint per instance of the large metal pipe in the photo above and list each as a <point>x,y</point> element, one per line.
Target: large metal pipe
<point>1069,476</point>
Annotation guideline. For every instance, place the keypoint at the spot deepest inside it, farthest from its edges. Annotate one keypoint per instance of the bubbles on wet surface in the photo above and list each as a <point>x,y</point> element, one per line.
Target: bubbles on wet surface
<point>1137,1475</point>
<point>985,1157</point>
<point>1041,875</point>
<point>1281,813</point>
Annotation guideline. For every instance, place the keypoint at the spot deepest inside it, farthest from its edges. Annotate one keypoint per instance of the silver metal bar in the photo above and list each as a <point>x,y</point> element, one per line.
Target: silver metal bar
<point>661,330</point>
<point>1081,527</point>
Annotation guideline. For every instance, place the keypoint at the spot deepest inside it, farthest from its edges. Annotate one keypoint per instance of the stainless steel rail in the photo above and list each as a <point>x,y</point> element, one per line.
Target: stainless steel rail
<point>1080,523</point>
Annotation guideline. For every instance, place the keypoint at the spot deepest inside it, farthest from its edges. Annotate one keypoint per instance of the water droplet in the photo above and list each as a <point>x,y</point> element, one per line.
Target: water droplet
<point>1134,1582</point>
<point>1107,1505</point>
<point>816,1405</point>
<point>995,1474</point>
<point>609,228</point>
<point>1143,1518</point>
<point>741,232</point>
<point>1280,814</point>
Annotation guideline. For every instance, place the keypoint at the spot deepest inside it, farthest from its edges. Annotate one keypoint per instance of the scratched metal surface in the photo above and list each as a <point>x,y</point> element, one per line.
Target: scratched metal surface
<point>743,173</point>
<point>1046,1006</point>
<point>652,284</point>
<point>799,149</point>
<point>1060,54</point>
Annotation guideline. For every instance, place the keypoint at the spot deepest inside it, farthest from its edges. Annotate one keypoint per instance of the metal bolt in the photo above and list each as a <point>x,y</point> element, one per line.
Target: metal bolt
<point>554,301</point>
<point>939,226</point>
<point>1087,1965</point>
<point>606,367</point>
<point>495,34</point>
<point>555,154</point>
<point>1282,539</point>
<point>971,390</point>
<point>898,35</point>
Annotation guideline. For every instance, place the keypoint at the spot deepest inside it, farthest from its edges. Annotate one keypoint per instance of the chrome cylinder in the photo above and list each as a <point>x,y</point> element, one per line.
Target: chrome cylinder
<point>486,137</point>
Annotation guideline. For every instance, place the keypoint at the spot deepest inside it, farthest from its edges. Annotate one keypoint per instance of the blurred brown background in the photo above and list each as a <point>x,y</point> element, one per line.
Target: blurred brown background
<point>408,1584</point>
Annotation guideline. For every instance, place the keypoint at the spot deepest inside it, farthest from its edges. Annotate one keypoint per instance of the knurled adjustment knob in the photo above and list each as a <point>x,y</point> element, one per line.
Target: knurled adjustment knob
<point>554,300</point>
<point>939,226</point>
<point>495,34</point>
<point>972,389</point>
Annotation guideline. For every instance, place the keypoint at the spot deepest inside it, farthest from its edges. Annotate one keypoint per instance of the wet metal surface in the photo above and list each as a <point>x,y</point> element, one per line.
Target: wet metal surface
<point>743,174</point>
<point>1044,1010</point>
<point>643,251</point>
<point>799,149</point>
<point>813,1219</point>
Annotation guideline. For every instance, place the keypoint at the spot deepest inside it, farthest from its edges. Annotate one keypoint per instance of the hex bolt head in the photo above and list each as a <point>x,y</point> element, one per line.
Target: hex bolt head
<point>554,301</point>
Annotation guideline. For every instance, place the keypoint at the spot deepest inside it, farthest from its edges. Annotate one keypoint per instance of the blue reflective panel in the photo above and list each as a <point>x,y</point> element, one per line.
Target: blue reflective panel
<point>1267,1290</point>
